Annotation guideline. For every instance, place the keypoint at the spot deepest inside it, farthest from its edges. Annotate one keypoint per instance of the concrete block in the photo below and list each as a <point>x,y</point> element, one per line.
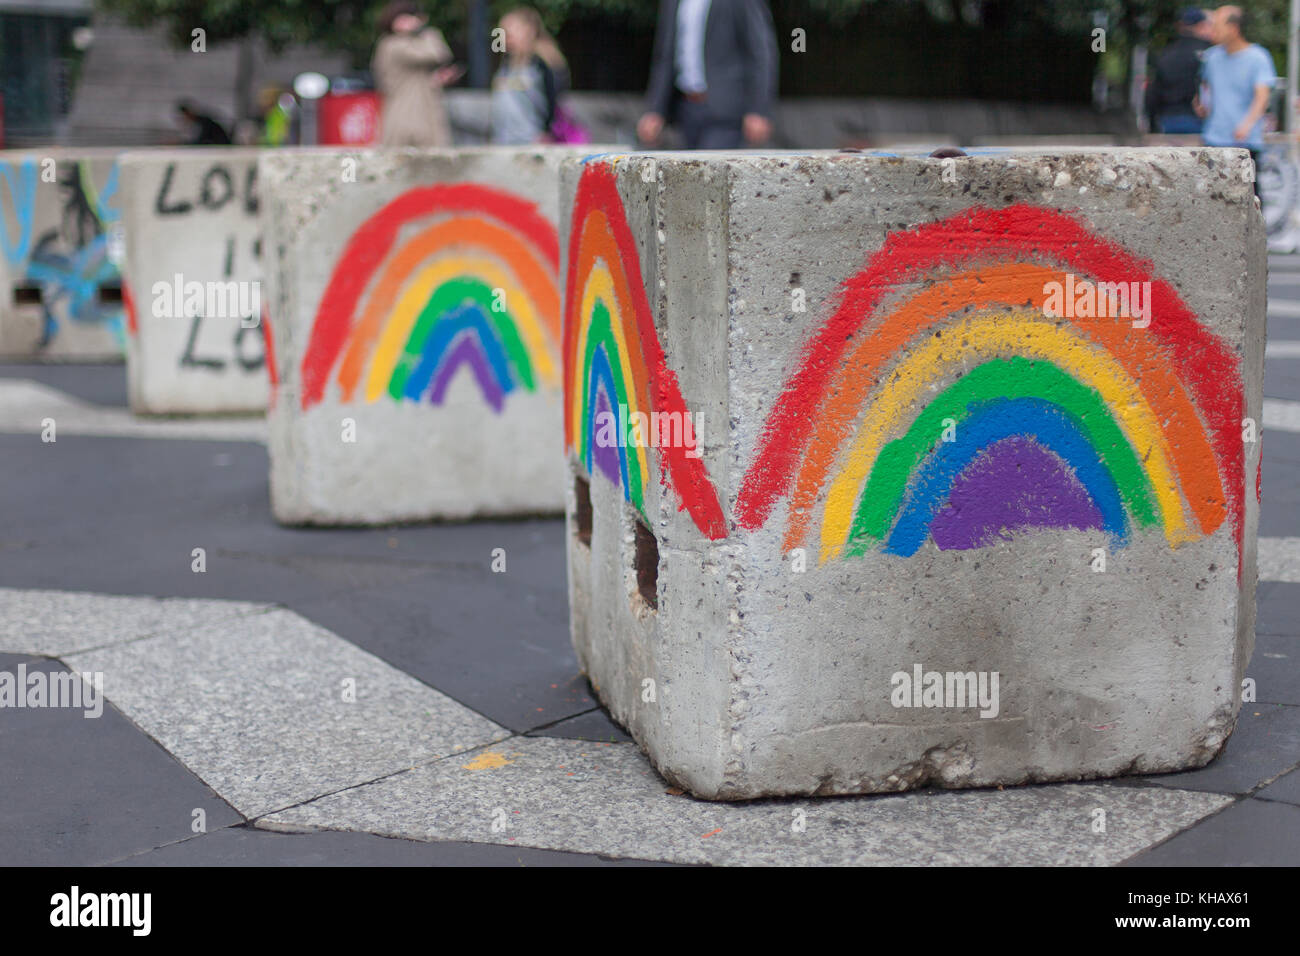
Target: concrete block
<point>60,293</point>
<point>962,514</point>
<point>414,328</point>
<point>193,281</point>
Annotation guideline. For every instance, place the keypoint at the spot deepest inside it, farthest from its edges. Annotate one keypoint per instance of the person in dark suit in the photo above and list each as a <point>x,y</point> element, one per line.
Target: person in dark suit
<point>1177,76</point>
<point>713,73</point>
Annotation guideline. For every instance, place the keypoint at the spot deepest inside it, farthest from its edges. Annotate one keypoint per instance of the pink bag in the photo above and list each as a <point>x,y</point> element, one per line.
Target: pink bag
<point>565,128</point>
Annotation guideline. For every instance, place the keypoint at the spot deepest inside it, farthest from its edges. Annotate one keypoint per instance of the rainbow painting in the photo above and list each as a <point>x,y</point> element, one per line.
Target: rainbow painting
<point>614,364</point>
<point>444,277</point>
<point>945,400</point>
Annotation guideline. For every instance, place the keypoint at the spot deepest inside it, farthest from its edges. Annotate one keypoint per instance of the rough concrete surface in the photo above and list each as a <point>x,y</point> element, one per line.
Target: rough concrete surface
<point>856,330</point>
<point>193,275</point>
<point>60,214</point>
<point>414,307</point>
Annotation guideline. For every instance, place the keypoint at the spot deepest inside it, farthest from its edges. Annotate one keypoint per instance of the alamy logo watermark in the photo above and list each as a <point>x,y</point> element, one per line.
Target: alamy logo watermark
<point>84,691</point>
<point>212,300</point>
<point>74,908</point>
<point>957,689</point>
<point>656,430</point>
<point>1081,299</point>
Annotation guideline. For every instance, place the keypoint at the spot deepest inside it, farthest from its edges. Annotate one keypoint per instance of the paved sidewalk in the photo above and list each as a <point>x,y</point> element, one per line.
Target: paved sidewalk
<point>381,696</point>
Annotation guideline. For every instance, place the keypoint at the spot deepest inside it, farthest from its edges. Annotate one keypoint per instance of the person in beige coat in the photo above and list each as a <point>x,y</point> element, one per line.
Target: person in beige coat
<point>411,65</point>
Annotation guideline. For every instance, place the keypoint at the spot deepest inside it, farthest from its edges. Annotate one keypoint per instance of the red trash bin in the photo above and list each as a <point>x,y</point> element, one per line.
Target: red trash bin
<point>347,119</point>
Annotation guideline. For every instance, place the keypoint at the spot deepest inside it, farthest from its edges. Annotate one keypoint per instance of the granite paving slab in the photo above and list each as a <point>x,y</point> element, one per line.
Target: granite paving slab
<point>271,710</point>
<point>55,623</point>
<point>605,798</point>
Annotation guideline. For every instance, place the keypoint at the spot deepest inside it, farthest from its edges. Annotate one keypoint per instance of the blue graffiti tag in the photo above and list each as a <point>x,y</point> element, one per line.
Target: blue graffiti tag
<point>20,182</point>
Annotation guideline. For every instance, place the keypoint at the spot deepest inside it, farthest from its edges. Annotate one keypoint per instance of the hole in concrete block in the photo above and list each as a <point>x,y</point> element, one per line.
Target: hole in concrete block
<point>582,513</point>
<point>110,293</point>
<point>27,294</point>
<point>646,564</point>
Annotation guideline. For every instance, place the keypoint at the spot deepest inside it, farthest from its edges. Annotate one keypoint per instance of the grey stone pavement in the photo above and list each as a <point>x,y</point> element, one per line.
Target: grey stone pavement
<point>381,697</point>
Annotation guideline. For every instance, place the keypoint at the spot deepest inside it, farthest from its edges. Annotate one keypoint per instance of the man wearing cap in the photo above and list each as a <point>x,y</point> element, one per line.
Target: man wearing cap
<point>1178,76</point>
<point>1237,79</point>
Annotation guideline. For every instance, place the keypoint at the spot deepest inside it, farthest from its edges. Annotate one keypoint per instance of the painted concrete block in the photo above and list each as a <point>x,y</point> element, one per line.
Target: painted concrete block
<point>977,480</point>
<point>415,326</point>
<point>192,281</point>
<point>60,292</point>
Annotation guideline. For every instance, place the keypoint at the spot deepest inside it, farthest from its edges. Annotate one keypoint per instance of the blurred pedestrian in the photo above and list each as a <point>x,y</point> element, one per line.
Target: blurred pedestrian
<point>1177,76</point>
<point>202,129</point>
<point>565,126</point>
<point>549,51</point>
<point>1237,82</point>
<point>524,90</point>
<point>279,110</point>
<point>712,73</point>
<point>411,65</point>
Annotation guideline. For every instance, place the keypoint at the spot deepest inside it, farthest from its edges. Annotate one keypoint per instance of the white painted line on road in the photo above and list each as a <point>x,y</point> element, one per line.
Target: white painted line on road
<point>1281,415</point>
<point>1279,560</point>
<point>1284,308</point>
<point>1282,350</point>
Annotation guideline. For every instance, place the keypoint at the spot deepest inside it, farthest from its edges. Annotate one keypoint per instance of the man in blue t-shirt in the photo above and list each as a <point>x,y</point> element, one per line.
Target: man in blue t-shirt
<point>1236,82</point>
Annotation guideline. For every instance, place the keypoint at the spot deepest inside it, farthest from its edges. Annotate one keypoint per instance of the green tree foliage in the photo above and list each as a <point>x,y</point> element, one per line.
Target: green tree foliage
<point>334,24</point>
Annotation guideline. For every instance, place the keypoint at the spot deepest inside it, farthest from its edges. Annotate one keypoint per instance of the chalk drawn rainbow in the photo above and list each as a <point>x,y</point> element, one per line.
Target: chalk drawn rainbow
<point>614,362</point>
<point>443,277</point>
<point>1084,423</point>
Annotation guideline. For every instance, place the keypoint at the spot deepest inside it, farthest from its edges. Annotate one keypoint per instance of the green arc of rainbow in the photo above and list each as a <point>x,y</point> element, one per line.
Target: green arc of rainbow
<point>1011,378</point>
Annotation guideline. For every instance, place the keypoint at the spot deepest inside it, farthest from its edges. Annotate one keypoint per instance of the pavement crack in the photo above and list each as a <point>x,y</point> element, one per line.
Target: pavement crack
<point>243,824</point>
<point>261,817</point>
<point>559,720</point>
<point>65,657</point>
